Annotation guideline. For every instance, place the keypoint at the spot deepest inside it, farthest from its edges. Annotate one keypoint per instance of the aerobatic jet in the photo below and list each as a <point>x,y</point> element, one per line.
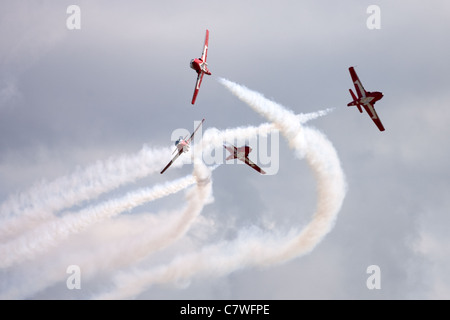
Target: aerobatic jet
<point>201,67</point>
<point>365,98</point>
<point>241,153</point>
<point>182,146</point>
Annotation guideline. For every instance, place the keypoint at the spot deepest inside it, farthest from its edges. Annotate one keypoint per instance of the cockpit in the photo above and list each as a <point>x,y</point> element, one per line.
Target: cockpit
<point>178,141</point>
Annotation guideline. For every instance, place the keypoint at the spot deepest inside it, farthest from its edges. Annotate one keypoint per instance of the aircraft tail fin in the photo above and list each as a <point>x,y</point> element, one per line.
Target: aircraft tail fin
<point>354,102</point>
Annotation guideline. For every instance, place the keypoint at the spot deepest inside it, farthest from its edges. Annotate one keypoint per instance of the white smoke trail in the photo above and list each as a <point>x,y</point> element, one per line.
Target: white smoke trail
<point>213,138</point>
<point>101,178</point>
<point>321,157</point>
<point>38,204</point>
<point>56,229</point>
<point>258,248</point>
<point>23,211</point>
<point>133,248</point>
<point>305,117</point>
<point>41,238</point>
<point>117,252</point>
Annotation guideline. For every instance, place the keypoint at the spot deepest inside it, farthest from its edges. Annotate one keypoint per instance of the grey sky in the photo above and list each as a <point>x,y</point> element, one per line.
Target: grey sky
<point>71,98</point>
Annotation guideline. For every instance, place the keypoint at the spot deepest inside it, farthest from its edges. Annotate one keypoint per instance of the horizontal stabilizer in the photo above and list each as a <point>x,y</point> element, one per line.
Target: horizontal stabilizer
<point>353,95</point>
<point>355,101</point>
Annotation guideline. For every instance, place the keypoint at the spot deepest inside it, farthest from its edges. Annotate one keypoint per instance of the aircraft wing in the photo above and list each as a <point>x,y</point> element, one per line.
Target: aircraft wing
<point>205,47</point>
<point>358,85</point>
<point>172,161</point>
<point>193,133</point>
<point>253,165</point>
<point>197,86</point>
<point>373,115</point>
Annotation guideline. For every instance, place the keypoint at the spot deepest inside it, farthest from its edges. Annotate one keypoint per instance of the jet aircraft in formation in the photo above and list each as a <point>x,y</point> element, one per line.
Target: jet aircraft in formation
<point>201,67</point>
<point>241,153</point>
<point>364,99</point>
<point>182,146</point>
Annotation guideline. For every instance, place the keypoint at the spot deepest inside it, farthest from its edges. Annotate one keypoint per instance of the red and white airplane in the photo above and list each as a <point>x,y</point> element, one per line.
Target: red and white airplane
<point>201,67</point>
<point>182,146</point>
<point>365,98</point>
<point>241,153</point>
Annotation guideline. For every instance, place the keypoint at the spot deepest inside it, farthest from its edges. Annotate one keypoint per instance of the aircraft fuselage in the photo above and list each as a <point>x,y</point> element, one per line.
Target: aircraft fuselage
<point>182,145</point>
<point>242,152</point>
<point>200,66</point>
<point>368,98</point>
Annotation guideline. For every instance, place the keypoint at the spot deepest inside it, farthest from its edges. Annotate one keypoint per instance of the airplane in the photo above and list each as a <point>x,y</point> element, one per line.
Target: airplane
<point>365,98</point>
<point>201,67</point>
<point>241,153</point>
<point>182,146</point>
